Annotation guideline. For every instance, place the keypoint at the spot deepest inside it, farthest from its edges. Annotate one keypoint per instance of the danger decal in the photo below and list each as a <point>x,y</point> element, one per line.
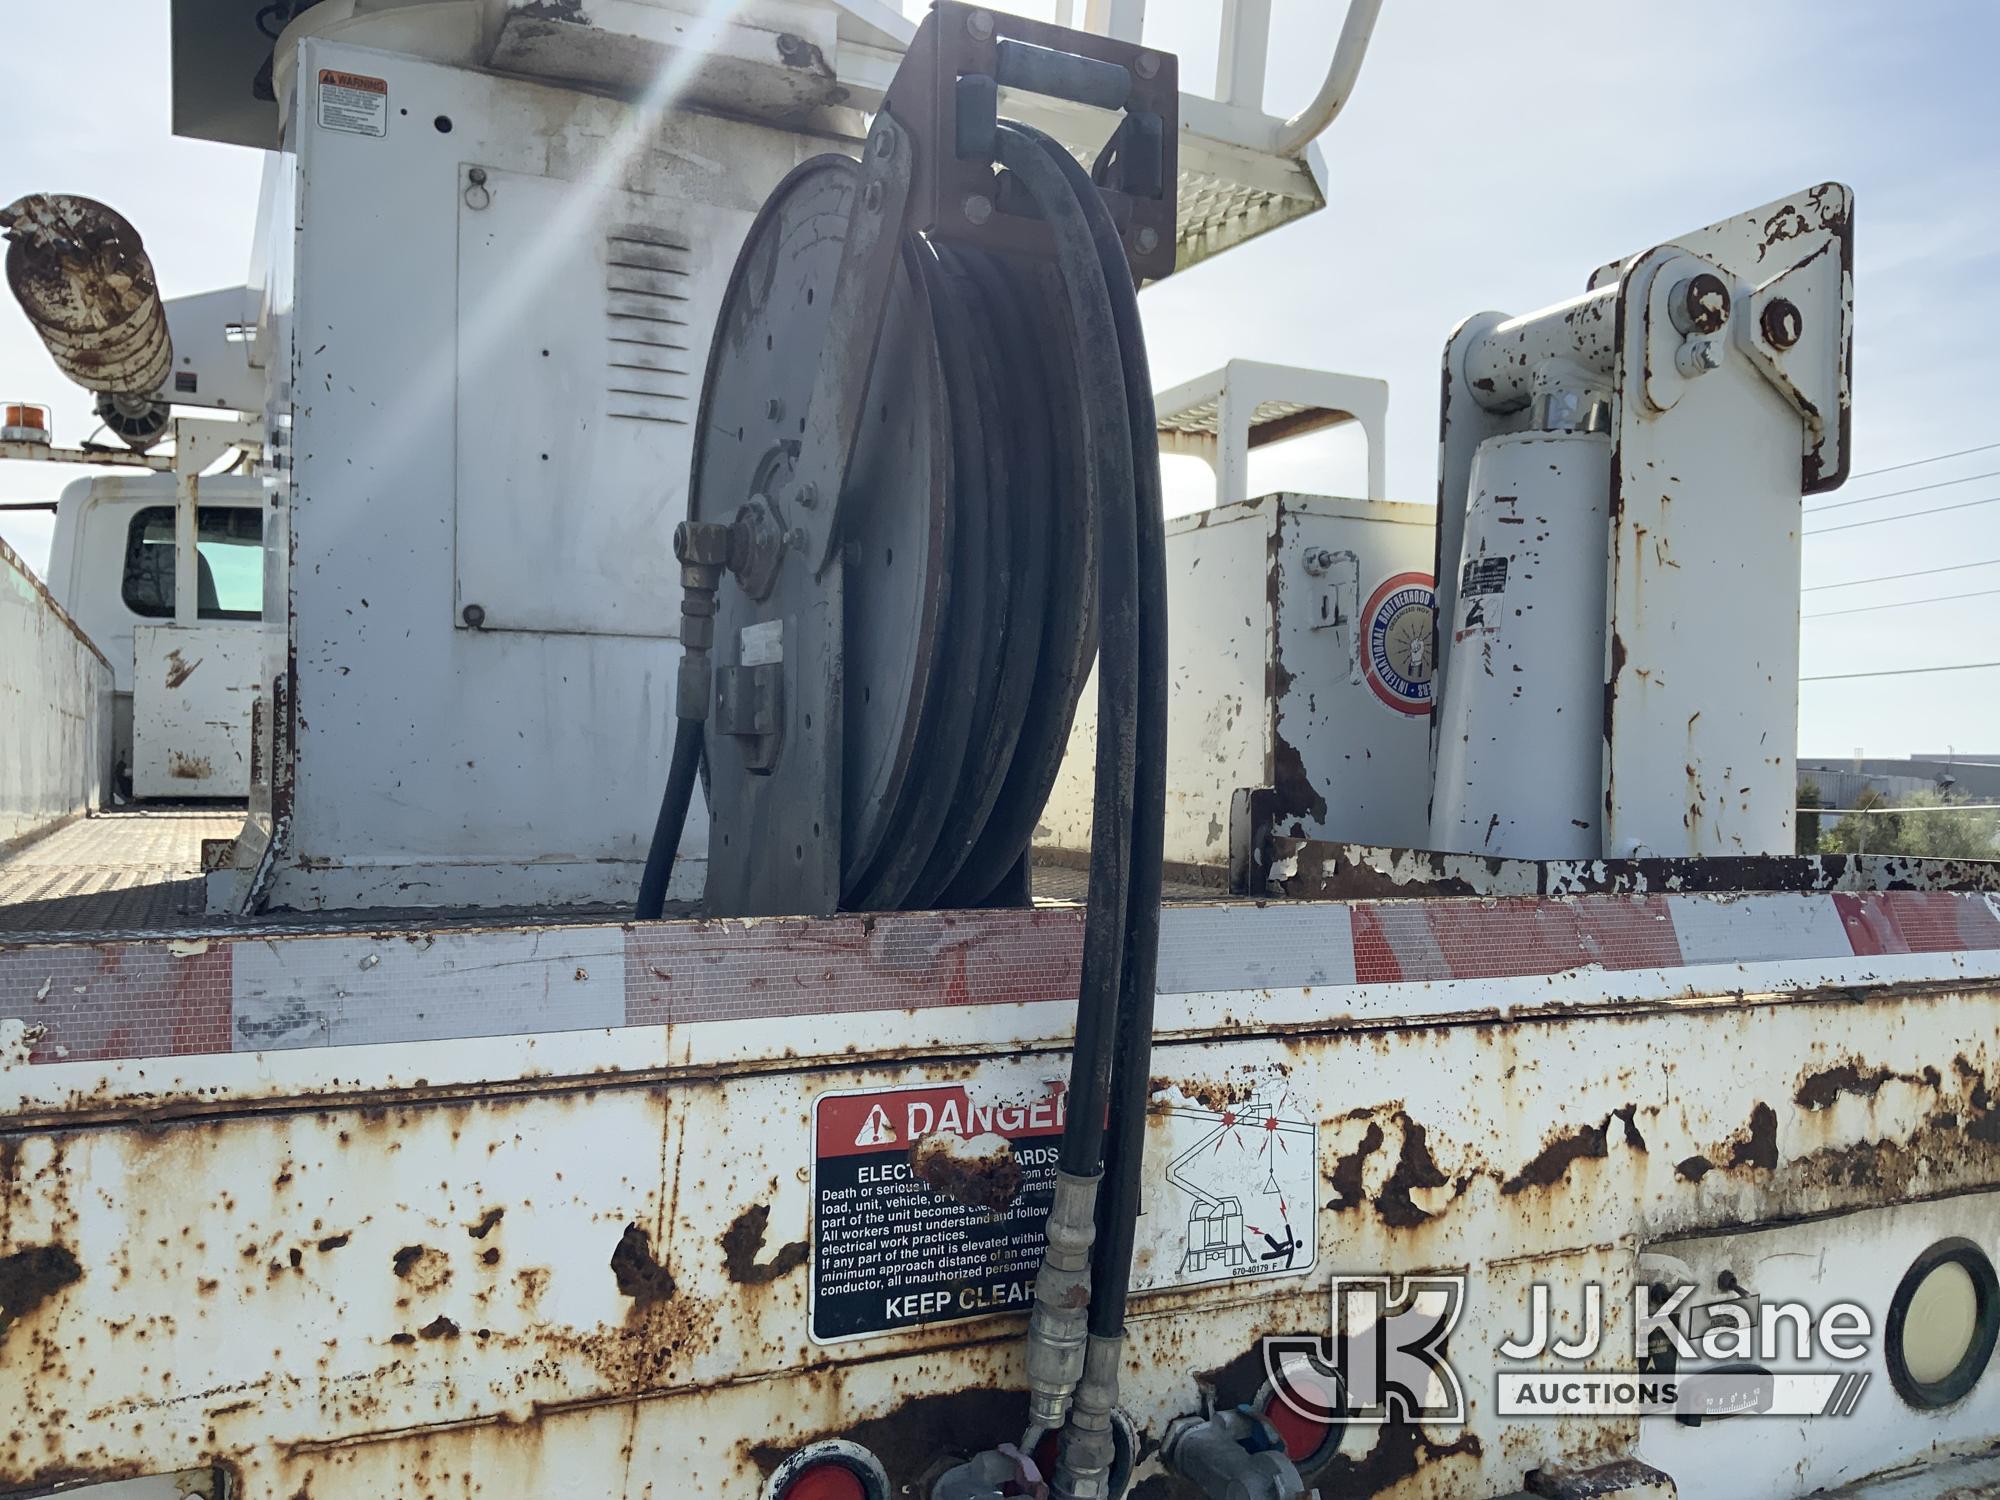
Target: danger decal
<point>928,1205</point>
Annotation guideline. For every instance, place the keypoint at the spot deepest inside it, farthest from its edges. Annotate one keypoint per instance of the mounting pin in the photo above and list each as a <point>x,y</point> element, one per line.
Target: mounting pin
<point>1782,322</point>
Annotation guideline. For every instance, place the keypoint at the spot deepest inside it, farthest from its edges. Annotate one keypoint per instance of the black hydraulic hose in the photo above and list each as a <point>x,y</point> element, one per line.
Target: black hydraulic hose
<point>1118,1201</point>
<point>673,819</point>
<point>1108,444</point>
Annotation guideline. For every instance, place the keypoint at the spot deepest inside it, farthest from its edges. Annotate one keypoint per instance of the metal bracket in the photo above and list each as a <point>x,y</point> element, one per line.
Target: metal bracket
<point>1793,330</point>
<point>1336,577</point>
<point>948,88</point>
<point>750,705</point>
<point>929,167</point>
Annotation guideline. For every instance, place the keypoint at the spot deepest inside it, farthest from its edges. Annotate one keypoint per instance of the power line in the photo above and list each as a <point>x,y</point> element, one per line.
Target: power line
<point>1853,583</point>
<point>1908,515</point>
<point>1915,489</point>
<point>1864,609</point>
<point>1964,666</point>
<point>1920,462</point>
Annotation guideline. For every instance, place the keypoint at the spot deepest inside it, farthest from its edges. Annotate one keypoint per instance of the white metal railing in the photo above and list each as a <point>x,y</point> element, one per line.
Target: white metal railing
<point>1245,55</point>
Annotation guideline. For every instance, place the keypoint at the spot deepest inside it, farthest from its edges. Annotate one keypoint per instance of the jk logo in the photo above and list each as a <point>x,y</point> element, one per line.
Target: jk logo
<point>1384,1360</point>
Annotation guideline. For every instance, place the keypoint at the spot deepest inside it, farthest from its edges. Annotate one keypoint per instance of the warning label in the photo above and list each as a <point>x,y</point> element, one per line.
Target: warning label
<point>353,102</point>
<point>928,1205</point>
<point>1244,1179</point>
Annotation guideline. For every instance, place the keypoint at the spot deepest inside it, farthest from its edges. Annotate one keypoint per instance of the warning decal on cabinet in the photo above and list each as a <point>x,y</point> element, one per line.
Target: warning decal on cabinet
<point>353,102</point>
<point>928,1204</point>
<point>1240,1195</point>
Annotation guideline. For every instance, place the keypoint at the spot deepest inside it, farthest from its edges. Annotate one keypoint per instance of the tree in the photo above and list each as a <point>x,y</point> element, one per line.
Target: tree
<point>1810,795</point>
<point>1957,834</point>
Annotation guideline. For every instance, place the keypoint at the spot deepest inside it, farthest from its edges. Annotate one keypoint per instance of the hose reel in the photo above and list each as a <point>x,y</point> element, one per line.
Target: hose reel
<point>893,551</point>
<point>926,493</point>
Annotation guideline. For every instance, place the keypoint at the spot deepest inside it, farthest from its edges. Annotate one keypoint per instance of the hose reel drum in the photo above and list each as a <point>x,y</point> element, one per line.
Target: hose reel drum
<point>892,558</point>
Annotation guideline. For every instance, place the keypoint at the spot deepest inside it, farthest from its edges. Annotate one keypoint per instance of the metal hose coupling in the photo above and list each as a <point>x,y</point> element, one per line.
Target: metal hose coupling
<point>1089,1447</point>
<point>1058,1328</point>
<point>1233,1455</point>
<point>702,548</point>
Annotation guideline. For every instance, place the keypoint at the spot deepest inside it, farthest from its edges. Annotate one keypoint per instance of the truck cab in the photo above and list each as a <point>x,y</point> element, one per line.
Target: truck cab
<point>185,678</point>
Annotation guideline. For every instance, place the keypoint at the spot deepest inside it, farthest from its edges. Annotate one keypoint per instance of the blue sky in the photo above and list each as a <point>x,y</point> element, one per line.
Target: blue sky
<point>1493,155</point>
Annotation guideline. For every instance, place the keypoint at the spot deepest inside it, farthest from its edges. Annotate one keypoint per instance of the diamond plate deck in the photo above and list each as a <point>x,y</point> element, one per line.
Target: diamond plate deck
<point>127,869</point>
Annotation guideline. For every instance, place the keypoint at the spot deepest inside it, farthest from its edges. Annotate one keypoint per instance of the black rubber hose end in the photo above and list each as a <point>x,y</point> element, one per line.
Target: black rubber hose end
<point>672,821</point>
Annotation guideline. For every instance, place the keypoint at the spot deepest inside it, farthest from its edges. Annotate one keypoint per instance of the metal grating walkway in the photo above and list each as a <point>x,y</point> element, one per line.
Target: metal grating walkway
<point>129,869</point>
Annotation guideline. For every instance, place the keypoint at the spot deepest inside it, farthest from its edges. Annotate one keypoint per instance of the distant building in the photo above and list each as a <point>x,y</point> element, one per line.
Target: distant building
<point>1972,778</point>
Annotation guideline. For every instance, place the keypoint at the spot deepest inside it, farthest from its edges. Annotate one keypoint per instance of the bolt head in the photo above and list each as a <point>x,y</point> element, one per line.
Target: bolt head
<point>978,208</point>
<point>980,24</point>
<point>808,495</point>
<point>1704,303</point>
<point>1782,322</point>
<point>1698,356</point>
<point>473,615</point>
<point>1148,240</point>
<point>1147,65</point>
<point>477,174</point>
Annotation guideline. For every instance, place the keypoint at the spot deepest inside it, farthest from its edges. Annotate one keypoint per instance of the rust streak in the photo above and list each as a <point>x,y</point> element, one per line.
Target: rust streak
<point>743,1241</point>
<point>1758,1145</point>
<point>1821,1089</point>
<point>991,1181</point>
<point>1346,1174</point>
<point>179,670</point>
<point>640,1274</point>
<point>1415,1168</point>
<point>28,1278</point>
<point>487,1220</point>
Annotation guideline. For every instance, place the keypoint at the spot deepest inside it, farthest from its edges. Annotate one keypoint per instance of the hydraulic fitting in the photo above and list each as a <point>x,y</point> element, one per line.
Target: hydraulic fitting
<point>1233,1455</point>
<point>702,548</point>
<point>1089,1447</point>
<point>1058,1327</point>
<point>996,1474</point>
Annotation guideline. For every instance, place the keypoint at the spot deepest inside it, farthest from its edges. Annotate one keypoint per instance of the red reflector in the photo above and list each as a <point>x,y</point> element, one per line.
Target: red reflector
<point>1305,1433</point>
<point>1302,1435</point>
<point>827,1481</point>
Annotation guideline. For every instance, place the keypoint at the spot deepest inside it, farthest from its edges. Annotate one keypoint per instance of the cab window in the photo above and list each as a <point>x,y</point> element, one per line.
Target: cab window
<point>229,548</point>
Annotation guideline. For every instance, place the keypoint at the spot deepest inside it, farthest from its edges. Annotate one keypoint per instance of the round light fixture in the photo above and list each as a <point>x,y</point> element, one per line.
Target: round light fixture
<point>1309,1414</point>
<point>832,1469</point>
<point>1943,1323</point>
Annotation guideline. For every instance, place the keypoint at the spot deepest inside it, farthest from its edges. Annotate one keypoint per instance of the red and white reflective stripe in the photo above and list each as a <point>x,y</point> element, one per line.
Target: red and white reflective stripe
<point>160,998</point>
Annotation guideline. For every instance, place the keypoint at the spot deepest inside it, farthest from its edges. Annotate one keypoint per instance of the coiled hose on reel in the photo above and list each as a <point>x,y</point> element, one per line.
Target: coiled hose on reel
<point>1008,454</point>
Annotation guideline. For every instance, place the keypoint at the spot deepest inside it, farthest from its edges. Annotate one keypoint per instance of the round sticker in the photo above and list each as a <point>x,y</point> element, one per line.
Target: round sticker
<point>1396,653</point>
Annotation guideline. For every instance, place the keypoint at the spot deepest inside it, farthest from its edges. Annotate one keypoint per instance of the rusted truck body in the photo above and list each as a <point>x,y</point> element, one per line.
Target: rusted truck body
<point>369,1151</point>
<point>429,1212</point>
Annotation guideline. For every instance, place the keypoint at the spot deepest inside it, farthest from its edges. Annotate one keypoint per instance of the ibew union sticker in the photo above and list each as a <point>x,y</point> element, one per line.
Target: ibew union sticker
<point>1397,650</point>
